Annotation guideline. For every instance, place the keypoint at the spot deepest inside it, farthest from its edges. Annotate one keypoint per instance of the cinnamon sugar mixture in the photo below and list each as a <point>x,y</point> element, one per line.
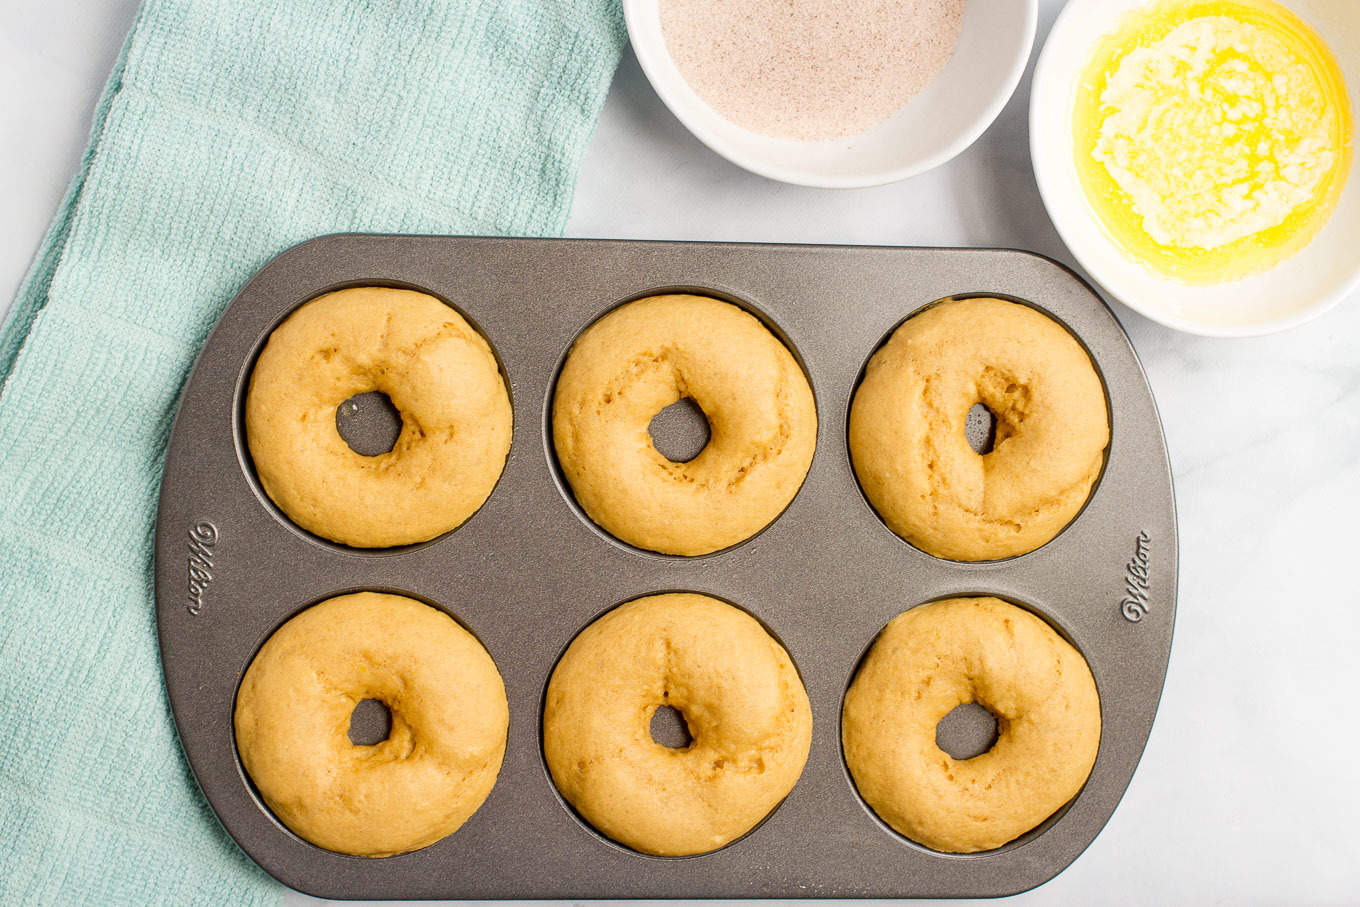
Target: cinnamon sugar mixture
<point>810,69</point>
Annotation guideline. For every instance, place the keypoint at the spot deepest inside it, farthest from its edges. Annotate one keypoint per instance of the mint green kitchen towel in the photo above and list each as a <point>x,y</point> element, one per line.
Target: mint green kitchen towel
<point>228,132</point>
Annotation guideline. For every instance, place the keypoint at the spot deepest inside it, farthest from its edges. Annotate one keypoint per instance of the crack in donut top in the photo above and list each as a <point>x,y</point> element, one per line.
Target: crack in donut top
<point>436,371</point>
<point>907,429</point>
<point>738,692</point>
<point>641,358</point>
<point>936,657</point>
<point>443,751</point>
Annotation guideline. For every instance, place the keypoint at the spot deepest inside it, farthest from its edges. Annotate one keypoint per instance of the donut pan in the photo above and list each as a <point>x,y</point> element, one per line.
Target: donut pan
<point>528,571</point>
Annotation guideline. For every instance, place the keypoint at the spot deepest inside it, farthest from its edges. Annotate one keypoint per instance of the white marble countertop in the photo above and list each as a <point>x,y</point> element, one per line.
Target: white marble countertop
<point>1249,788</point>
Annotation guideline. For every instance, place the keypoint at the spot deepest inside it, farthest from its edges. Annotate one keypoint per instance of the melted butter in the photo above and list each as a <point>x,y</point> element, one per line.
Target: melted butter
<point>1213,137</point>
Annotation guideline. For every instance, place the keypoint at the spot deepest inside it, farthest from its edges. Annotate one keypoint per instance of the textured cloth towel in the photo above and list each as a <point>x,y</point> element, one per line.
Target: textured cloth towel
<point>228,132</point>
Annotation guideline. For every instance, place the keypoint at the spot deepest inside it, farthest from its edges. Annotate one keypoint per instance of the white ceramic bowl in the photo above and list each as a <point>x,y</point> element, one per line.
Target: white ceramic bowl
<point>1295,291</point>
<point>935,126</point>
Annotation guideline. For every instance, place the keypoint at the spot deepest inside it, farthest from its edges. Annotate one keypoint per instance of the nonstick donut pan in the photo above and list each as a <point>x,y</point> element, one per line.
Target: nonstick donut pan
<point>529,570</point>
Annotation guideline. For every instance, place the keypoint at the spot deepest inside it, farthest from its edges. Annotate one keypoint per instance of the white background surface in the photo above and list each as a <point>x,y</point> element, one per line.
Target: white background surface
<point>1249,790</point>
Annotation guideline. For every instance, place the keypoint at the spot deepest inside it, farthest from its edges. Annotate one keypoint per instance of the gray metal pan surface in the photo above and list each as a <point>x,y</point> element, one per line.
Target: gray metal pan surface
<point>529,570</point>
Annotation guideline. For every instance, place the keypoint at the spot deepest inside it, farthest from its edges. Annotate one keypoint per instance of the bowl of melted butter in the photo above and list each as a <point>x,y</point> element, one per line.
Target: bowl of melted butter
<point>1196,155</point>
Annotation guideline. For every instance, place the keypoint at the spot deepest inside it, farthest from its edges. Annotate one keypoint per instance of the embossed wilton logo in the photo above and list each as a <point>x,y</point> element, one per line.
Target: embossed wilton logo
<point>1137,589</point>
<point>202,538</point>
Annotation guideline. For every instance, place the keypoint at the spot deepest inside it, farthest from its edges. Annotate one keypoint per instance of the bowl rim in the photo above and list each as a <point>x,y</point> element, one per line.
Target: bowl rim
<point>1067,225</point>
<point>651,67</point>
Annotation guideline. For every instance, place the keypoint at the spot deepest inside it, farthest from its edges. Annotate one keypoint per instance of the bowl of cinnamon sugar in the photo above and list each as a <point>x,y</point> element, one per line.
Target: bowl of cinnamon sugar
<point>834,93</point>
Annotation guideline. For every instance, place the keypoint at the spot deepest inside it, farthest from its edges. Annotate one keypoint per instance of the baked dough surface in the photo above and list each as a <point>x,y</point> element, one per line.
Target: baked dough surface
<point>641,358</point>
<point>449,720</point>
<point>438,372</point>
<point>942,655</point>
<point>739,693</point>
<point>907,429</point>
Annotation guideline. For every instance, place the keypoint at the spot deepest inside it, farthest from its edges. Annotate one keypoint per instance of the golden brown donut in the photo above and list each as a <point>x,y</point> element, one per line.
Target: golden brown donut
<point>739,693</point>
<point>907,429</point>
<point>438,372</point>
<point>438,763</point>
<point>641,358</point>
<point>936,657</point>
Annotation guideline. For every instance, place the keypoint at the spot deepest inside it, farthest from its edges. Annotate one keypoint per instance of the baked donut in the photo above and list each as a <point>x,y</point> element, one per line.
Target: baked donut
<point>744,704</point>
<point>440,759</point>
<point>438,372</point>
<point>907,429</point>
<point>937,657</point>
<point>641,358</point>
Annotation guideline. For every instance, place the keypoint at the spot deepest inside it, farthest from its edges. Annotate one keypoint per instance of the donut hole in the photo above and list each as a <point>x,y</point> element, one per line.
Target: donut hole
<point>680,432</point>
<point>669,728</point>
<point>369,423</point>
<point>979,428</point>
<point>370,723</point>
<point>968,731</point>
